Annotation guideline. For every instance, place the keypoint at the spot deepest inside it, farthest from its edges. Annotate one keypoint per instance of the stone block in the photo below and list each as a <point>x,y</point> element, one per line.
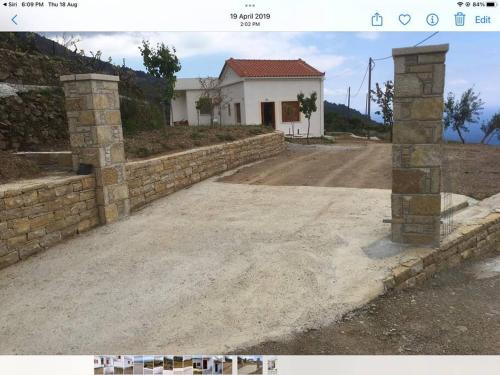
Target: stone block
<point>428,108</point>
<point>419,205</point>
<point>16,241</point>
<point>20,226</point>
<point>416,155</point>
<point>117,153</point>
<point>109,213</point>
<point>9,259</point>
<point>438,79</point>
<point>30,197</point>
<point>41,221</point>
<point>416,180</point>
<point>432,58</point>
<point>3,248</point>
<point>407,85</point>
<point>75,104</point>
<point>399,65</point>
<point>107,176</point>
<point>87,117</point>
<point>51,239</point>
<point>112,117</point>
<point>401,273</point>
<point>117,192</point>
<point>29,249</point>
<point>13,202</point>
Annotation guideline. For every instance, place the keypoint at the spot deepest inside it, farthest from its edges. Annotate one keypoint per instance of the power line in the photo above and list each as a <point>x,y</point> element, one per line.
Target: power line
<point>361,85</point>
<point>426,39</point>
<point>371,66</point>
<point>416,45</point>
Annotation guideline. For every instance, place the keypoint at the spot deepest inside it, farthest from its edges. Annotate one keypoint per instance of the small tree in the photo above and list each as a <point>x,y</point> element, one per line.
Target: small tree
<point>492,127</point>
<point>384,98</point>
<point>458,113</point>
<point>307,105</point>
<point>214,97</point>
<point>161,62</point>
<point>204,104</point>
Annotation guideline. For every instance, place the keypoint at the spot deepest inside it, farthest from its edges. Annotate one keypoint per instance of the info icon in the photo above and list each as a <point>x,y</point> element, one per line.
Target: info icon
<point>432,19</point>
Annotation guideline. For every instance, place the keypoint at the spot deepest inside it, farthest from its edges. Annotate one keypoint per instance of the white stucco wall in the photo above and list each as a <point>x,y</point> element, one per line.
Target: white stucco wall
<point>179,109</point>
<point>233,93</point>
<point>277,91</point>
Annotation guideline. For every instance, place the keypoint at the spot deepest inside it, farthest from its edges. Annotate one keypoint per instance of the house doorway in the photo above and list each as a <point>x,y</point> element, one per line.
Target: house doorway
<point>267,114</point>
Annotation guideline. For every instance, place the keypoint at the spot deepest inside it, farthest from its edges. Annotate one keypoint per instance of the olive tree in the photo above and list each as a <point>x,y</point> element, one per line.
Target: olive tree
<point>161,62</point>
<point>307,105</point>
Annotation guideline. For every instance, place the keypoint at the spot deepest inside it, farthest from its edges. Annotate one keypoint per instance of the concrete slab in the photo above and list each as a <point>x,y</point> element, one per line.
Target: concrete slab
<point>205,270</point>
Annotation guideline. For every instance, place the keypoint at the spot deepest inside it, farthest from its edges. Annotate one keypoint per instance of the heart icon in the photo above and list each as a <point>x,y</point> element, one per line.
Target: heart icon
<point>404,19</point>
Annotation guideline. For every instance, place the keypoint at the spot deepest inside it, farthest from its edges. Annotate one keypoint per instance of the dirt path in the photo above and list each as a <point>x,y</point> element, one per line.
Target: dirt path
<point>358,165</point>
<point>472,170</point>
<point>456,312</point>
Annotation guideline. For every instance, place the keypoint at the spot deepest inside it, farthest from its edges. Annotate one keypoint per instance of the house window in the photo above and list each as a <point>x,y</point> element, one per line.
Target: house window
<point>290,111</point>
<point>229,110</point>
<point>237,109</point>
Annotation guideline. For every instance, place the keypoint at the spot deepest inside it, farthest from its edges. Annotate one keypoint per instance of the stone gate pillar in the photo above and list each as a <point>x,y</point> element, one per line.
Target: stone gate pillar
<point>416,151</point>
<point>96,137</point>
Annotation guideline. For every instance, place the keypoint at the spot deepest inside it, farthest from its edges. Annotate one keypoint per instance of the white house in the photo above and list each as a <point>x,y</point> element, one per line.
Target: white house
<point>208,365</point>
<point>254,92</point>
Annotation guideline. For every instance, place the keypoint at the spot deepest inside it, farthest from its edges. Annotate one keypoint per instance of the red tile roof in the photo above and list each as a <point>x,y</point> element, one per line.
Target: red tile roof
<point>272,68</point>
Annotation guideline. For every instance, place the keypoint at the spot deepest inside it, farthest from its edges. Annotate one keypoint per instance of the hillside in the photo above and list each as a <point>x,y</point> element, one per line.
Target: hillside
<point>32,114</point>
<point>340,118</point>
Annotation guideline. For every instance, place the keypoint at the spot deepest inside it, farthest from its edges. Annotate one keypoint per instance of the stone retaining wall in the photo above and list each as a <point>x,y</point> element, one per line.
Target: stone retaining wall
<point>466,242</point>
<point>35,217</point>
<point>38,216</point>
<point>154,178</point>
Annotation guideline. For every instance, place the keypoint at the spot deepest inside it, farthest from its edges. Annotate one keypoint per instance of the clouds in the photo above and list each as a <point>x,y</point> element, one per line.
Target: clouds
<point>369,35</point>
<point>255,45</point>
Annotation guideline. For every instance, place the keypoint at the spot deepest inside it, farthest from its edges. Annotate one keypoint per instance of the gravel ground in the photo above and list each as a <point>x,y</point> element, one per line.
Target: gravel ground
<point>455,312</point>
<point>245,262</point>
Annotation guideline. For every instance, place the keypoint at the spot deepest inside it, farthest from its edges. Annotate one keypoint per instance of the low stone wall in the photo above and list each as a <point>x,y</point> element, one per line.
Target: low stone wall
<point>35,217</point>
<point>466,242</point>
<point>157,177</point>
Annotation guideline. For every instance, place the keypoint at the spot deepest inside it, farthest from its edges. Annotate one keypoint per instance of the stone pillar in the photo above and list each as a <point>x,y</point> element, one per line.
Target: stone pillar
<point>96,137</point>
<point>416,151</point>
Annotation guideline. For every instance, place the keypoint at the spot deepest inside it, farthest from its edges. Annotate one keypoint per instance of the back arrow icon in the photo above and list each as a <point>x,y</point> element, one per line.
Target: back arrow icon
<point>13,19</point>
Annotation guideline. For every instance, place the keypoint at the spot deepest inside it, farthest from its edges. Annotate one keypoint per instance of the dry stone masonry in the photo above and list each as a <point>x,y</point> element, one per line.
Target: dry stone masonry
<point>36,216</point>
<point>416,150</point>
<point>95,131</point>
<point>467,242</point>
<point>157,177</point>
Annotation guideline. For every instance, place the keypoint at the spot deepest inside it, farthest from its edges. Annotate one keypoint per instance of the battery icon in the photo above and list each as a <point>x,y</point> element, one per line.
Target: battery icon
<point>491,4</point>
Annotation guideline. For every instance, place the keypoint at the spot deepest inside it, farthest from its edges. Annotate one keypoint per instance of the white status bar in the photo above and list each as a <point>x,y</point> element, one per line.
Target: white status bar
<point>256,15</point>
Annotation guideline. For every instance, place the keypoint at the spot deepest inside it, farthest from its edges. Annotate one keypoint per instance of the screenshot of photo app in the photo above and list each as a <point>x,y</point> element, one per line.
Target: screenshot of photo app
<point>249,187</point>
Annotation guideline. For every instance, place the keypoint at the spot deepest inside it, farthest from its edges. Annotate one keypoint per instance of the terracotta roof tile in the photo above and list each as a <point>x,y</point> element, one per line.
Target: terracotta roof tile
<point>272,68</point>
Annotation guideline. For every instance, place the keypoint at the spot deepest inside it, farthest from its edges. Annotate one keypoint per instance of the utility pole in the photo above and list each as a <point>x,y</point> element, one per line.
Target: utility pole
<point>349,102</point>
<point>369,87</point>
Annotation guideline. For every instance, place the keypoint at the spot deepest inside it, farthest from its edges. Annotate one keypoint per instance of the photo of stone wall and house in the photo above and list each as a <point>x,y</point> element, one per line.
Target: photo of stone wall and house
<point>262,196</point>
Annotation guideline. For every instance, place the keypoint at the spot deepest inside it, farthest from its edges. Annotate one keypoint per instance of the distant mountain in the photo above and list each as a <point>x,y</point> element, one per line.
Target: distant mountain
<point>340,118</point>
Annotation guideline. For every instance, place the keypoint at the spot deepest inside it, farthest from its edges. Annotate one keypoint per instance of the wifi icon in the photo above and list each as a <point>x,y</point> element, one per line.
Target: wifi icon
<point>460,3</point>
